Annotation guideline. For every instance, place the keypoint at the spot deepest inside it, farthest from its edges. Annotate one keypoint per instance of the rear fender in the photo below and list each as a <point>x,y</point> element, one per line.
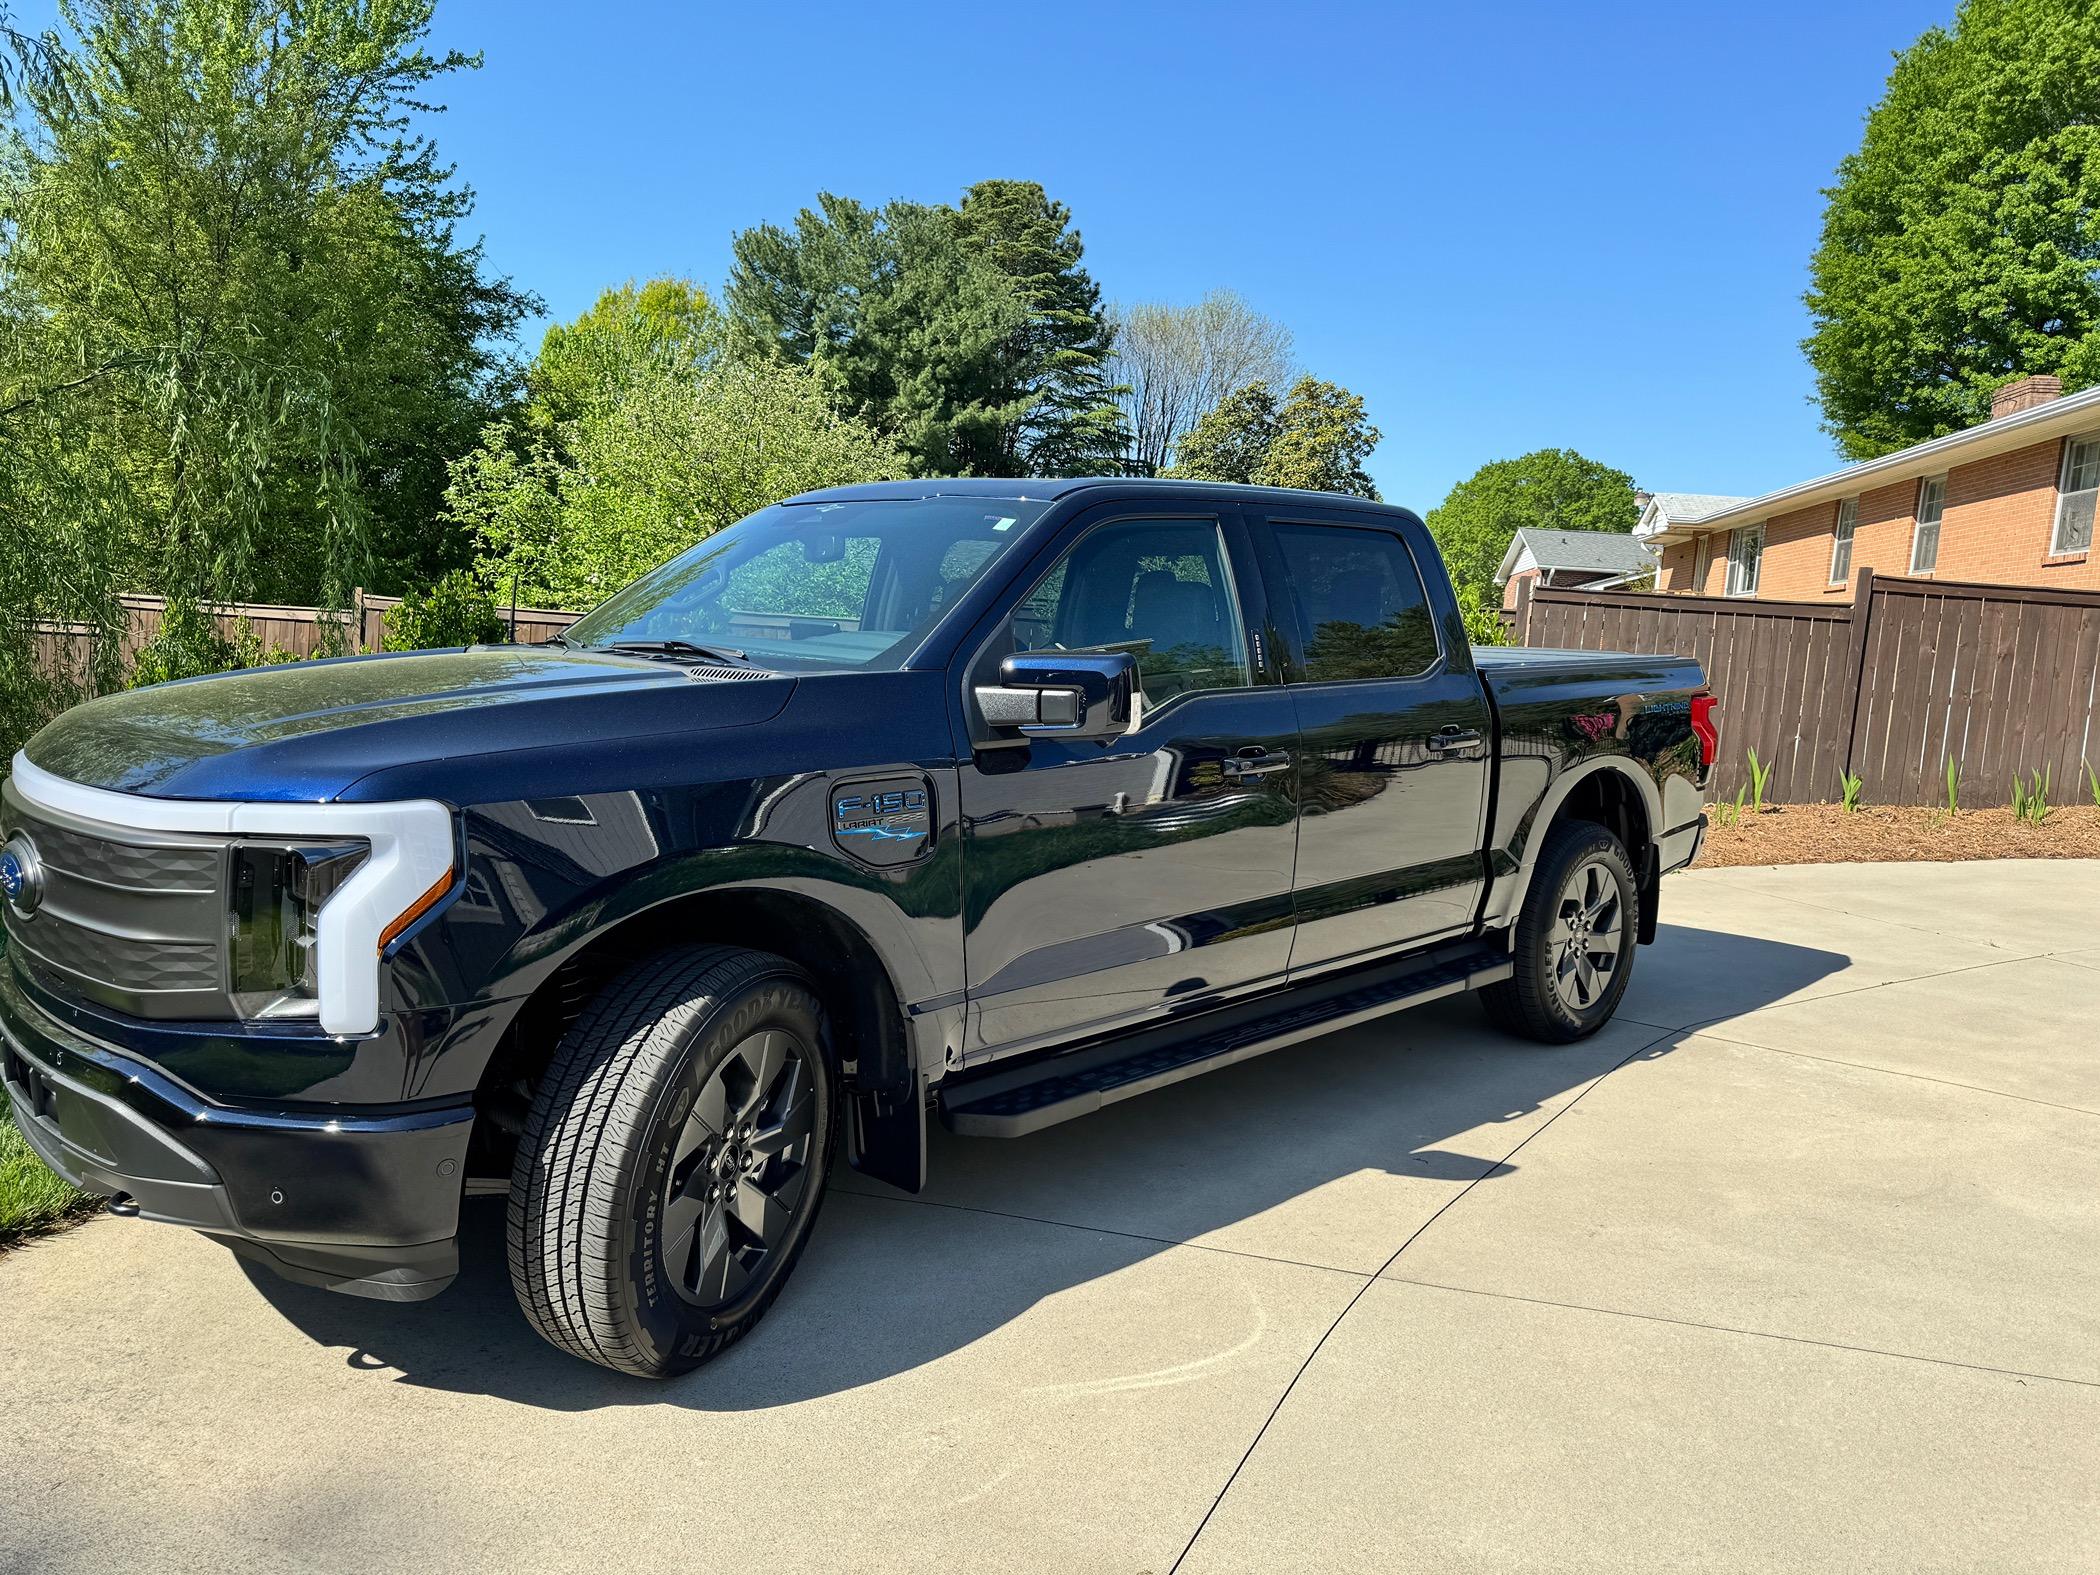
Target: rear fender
<point>1515,864</point>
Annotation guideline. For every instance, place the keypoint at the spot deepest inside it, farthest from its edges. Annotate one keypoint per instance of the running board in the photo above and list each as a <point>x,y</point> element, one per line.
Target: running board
<point>1016,1101</point>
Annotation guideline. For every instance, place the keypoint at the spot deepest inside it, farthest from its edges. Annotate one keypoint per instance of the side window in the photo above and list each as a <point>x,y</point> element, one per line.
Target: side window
<point>1159,589</point>
<point>1360,602</point>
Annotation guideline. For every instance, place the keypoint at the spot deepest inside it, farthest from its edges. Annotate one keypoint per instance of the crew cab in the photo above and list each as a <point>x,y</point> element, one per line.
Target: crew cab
<point>981,802</point>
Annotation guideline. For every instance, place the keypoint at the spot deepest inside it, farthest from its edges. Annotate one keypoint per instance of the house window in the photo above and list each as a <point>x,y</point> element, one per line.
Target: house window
<point>1925,540</point>
<point>2075,496</point>
<point>1746,549</point>
<point>1841,541</point>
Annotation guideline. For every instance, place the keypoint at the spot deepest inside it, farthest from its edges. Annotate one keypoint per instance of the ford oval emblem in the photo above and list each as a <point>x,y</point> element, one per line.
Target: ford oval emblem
<point>21,876</point>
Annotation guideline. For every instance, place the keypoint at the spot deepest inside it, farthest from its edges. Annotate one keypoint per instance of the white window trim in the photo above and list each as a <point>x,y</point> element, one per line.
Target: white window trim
<point>2057,548</point>
<point>1736,561</point>
<point>1842,534</point>
<point>1918,524</point>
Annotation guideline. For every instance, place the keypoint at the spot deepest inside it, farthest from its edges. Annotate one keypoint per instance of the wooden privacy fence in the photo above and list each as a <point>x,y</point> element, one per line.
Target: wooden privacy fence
<point>299,631</point>
<point>1908,675</point>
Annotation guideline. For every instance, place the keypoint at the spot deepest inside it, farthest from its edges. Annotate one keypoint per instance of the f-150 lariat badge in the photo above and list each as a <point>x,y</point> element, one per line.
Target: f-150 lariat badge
<point>888,820</point>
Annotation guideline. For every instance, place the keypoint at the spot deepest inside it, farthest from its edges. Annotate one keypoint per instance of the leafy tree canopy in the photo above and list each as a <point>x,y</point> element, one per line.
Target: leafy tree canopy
<point>1959,242</point>
<point>1317,437</point>
<point>1059,355</point>
<point>1550,489</point>
<point>639,437</point>
<point>972,337</point>
<point>237,331</point>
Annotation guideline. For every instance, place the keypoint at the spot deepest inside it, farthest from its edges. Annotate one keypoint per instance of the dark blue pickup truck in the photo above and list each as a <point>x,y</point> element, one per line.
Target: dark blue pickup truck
<point>981,801</point>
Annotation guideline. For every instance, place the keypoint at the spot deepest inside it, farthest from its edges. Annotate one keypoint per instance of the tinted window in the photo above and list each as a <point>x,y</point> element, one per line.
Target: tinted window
<point>1360,603</point>
<point>1158,589</point>
<point>811,587</point>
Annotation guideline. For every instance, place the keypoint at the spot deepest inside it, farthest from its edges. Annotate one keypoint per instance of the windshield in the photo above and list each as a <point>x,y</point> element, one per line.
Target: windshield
<point>815,587</point>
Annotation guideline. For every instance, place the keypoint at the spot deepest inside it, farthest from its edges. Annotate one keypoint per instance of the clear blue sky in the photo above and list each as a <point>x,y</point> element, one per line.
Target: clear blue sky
<point>1507,226</point>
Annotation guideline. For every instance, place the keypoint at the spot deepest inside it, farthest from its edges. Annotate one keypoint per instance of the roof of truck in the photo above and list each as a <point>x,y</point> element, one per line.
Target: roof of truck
<point>1048,487</point>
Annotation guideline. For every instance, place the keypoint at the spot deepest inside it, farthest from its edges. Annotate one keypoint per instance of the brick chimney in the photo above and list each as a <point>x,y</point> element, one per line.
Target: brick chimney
<point>2024,394</point>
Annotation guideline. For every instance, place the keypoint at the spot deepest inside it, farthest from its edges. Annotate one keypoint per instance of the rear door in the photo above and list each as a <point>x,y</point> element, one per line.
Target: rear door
<point>1394,731</point>
<point>1106,881</point>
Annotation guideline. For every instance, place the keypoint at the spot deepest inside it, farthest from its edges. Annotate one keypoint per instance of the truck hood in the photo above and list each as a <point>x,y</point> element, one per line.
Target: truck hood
<point>306,732</point>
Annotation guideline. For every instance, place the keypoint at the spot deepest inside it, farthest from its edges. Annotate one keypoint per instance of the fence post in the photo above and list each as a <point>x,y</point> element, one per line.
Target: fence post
<point>1522,611</point>
<point>357,621</point>
<point>1862,619</point>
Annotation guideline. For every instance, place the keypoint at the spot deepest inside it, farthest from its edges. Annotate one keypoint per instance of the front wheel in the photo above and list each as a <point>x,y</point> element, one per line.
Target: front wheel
<point>1575,938</point>
<point>674,1160</point>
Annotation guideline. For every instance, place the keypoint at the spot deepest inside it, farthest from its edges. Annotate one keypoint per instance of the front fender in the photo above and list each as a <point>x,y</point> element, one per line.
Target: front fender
<point>546,878</point>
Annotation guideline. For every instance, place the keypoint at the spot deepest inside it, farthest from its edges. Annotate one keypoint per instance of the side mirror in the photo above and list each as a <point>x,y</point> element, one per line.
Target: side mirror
<point>1056,694</point>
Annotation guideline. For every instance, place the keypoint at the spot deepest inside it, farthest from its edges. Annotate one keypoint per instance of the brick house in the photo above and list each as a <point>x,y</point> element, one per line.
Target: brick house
<point>2010,502</point>
<point>1571,559</point>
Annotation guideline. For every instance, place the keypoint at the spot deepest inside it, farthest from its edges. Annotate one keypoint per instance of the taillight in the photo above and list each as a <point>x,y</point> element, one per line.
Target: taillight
<point>1703,728</point>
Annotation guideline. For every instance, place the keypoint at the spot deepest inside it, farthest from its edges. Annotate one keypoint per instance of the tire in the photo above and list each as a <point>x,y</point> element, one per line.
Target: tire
<point>623,1181</point>
<point>1583,876</point>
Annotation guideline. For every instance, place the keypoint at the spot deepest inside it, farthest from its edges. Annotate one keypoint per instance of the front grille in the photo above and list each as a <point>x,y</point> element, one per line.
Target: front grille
<point>135,920</point>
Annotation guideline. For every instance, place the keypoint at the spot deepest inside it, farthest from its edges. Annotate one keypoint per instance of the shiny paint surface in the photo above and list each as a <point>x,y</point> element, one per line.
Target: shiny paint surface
<point>1061,885</point>
<point>1389,836</point>
<point>1562,714</point>
<point>1106,882</point>
<point>309,731</point>
<point>1109,881</point>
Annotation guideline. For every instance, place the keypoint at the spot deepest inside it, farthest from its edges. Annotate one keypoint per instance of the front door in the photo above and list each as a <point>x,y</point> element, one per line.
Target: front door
<point>1108,881</point>
<point>1394,724</point>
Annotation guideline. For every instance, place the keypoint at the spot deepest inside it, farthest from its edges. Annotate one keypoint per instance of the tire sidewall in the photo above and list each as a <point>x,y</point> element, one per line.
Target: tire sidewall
<point>1603,848</point>
<point>678,1333</point>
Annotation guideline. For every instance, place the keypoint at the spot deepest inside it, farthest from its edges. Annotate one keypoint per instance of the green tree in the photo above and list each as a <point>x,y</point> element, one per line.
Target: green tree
<point>1959,243</point>
<point>234,315</point>
<point>1317,438</point>
<point>637,439</point>
<point>1057,357</point>
<point>1551,488</point>
<point>667,323</point>
<point>902,324</point>
<point>23,54</point>
<point>972,337</point>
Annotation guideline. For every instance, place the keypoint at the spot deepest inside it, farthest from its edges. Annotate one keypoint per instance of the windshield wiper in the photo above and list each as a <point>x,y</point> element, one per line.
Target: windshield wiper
<point>675,650</point>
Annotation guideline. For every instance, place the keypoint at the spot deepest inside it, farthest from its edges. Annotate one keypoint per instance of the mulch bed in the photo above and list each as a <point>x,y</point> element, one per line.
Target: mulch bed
<point>1875,834</point>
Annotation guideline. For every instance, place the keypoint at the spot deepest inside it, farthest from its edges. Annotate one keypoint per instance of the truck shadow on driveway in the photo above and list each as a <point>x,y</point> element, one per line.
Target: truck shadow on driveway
<point>1328,1154</point>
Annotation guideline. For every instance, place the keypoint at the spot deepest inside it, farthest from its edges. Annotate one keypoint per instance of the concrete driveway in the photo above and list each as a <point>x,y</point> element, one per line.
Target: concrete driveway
<point>1796,1267</point>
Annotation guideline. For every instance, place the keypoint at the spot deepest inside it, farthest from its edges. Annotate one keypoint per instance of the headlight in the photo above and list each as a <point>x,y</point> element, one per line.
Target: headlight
<point>275,899</point>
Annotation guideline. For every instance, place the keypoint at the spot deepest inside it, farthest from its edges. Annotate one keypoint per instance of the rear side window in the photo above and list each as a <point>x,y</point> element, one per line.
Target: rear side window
<point>1360,603</point>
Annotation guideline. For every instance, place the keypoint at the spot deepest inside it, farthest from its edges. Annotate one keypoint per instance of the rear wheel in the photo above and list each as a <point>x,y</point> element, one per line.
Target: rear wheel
<point>1575,937</point>
<point>674,1160</point>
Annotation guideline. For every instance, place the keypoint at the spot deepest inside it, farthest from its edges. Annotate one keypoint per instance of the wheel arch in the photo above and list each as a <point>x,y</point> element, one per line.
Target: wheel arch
<point>873,1046</point>
<point>1612,792</point>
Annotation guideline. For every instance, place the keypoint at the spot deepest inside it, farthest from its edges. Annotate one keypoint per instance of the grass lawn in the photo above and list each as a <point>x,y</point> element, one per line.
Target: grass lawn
<point>31,1198</point>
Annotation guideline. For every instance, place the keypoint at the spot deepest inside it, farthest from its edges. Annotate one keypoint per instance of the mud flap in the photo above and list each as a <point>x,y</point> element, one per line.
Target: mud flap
<point>886,1135</point>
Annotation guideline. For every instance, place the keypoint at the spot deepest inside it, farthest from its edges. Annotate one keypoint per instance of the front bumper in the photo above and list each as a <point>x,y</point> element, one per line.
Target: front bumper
<point>353,1198</point>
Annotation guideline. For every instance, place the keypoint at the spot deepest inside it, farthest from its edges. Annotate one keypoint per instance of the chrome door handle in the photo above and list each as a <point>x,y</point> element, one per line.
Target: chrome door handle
<point>1254,761</point>
<point>1452,740</point>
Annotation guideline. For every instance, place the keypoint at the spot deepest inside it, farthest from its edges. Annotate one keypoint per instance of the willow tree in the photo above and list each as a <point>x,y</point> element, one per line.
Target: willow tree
<point>239,337</point>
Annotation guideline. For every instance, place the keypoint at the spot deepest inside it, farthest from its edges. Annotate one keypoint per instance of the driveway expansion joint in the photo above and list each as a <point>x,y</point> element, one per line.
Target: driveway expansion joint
<point>1890,1071</point>
<point>1361,1291</point>
<point>1753,1334</point>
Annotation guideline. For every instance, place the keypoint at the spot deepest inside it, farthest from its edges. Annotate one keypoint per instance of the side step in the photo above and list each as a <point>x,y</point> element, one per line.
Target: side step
<point>1010,1102</point>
